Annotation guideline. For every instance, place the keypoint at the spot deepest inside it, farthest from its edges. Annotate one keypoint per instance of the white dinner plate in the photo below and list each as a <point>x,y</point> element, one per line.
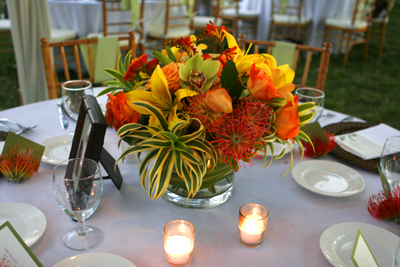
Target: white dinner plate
<point>337,243</point>
<point>95,259</point>
<point>57,149</point>
<point>328,178</point>
<point>27,220</point>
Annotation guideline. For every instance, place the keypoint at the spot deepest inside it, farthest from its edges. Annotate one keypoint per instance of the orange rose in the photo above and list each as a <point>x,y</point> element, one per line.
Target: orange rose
<point>171,72</point>
<point>118,111</point>
<point>260,84</point>
<point>288,121</point>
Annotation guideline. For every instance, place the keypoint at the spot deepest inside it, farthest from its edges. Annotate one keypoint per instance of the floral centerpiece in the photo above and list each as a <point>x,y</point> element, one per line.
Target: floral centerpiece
<point>194,113</point>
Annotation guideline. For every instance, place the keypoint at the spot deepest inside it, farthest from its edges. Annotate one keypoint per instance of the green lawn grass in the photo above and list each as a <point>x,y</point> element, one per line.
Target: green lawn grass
<point>367,90</point>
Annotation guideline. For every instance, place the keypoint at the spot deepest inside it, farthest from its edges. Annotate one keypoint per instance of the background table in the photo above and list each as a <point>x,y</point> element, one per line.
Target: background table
<point>86,16</point>
<point>133,224</point>
<point>316,10</point>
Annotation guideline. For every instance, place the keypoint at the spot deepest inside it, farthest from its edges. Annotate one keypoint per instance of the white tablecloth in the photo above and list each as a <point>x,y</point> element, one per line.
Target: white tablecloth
<point>317,10</point>
<point>133,224</point>
<point>86,16</point>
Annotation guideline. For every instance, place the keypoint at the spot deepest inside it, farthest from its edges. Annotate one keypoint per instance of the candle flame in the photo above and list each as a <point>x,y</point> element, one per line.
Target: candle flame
<point>208,164</point>
<point>255,211</point>
<point>182,228</point>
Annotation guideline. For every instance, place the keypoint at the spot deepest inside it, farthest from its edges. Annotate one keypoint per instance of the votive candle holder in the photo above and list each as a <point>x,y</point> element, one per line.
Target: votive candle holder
<point>253,220</point>
<point>179,243</point>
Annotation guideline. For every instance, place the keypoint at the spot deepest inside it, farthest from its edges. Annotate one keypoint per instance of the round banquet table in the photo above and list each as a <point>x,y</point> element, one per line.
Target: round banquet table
<point>133,224</point>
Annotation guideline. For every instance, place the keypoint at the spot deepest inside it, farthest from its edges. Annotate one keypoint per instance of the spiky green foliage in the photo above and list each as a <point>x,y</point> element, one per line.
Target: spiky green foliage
<point>176,149</point>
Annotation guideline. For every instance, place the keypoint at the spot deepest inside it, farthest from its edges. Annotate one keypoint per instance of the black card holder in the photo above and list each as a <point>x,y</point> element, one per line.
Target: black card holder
<point>89,139</point>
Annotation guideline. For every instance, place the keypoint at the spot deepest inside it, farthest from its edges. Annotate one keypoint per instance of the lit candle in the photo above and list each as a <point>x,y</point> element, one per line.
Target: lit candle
<point>178,249</point>
<point>179,242</point>
<point>252,221</point>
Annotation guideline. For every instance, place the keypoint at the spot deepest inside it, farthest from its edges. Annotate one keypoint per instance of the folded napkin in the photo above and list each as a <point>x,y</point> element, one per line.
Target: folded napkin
<point>367,143</point>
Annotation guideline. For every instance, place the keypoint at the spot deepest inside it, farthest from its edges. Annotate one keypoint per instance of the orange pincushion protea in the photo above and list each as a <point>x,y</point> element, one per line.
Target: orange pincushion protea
<point>386,207</point>
<point>320,147</point>
<point>19,164</point>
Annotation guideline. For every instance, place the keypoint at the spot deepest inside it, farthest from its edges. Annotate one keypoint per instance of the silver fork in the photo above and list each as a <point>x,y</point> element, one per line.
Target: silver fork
<point>22,129</point>
<point>6,127</point>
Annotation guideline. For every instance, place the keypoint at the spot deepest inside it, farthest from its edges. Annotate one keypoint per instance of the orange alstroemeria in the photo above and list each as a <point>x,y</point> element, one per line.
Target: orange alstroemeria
<point>287,122</point>
<point>135,67</point>
<point>260,84</point>
<point>219,101</point>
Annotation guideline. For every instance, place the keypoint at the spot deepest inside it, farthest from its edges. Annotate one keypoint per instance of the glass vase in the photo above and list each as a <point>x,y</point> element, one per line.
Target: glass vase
<point>216,189</point>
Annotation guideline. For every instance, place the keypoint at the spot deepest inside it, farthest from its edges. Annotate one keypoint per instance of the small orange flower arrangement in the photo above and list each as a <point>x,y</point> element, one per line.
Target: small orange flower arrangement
<point>19,164</point>
<point>319,148</point>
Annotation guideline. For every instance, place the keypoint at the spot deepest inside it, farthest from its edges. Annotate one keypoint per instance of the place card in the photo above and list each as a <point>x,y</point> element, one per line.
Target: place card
<point>367,143</point>
<point>362,254</point>
<point>315,129</point>
<point>13,250</point>
<point>15,139</point>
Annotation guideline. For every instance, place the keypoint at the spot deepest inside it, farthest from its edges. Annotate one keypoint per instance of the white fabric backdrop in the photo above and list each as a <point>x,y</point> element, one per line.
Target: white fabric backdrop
<point>30,21</point>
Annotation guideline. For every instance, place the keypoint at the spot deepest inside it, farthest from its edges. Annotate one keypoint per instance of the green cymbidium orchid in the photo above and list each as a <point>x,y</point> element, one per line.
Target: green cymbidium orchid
<point>198,74</point>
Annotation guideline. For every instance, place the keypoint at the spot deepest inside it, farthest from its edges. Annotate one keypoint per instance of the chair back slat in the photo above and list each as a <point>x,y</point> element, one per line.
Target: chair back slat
<point>64,63</point>
<point>78,62</point>
<point>295,58</point>
<point>117,6</point>
<point>325,52</point>
<point>306,68</point>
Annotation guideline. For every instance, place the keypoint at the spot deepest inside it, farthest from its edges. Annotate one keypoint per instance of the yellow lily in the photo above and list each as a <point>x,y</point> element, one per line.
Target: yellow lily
<point>159,97</point>
<point>177,53</point>
<point>198,47</point>
<point>244,63</point>
<point>231,41</point>
<point>282,77</point>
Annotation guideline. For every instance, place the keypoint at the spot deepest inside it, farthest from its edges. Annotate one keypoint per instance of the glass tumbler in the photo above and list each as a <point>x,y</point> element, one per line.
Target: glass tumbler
<point>307,94</point>
<point>72,94</point>
<point>390,160</point>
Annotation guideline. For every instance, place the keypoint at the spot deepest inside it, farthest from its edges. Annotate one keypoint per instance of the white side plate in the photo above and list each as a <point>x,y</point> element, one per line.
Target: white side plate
<point>328,178</point>
<point>95,259</point>
<point>27,220</point>
<point>57,149</point>
<point>337,243</point>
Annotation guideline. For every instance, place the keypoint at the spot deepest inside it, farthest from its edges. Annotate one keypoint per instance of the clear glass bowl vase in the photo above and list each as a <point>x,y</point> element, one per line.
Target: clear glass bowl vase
<point>216,189</point>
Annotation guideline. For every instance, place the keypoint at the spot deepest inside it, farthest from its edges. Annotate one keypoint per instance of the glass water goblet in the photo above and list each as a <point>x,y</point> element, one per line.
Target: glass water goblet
<point>78,186</point>
<point>390,160</point>
<point>307,94</point>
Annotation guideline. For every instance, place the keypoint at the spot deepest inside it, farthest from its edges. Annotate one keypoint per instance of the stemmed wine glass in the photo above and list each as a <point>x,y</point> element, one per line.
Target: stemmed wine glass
<point>78,186</point>
<point>390,160</point>
<point>307,94</point>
